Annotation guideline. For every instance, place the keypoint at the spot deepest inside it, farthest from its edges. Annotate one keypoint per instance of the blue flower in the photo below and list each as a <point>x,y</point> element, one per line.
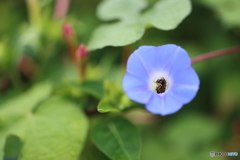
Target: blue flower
<point>161,78</point>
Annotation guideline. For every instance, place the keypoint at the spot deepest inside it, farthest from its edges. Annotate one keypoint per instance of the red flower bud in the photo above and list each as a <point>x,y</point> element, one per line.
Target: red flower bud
<point>70,38</point>
<point>81,59</point>
<point>82,53</point>
<point>67,31</point>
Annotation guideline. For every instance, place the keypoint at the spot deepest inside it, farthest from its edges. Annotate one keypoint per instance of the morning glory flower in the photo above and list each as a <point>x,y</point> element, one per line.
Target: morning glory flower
<point>161,78</point>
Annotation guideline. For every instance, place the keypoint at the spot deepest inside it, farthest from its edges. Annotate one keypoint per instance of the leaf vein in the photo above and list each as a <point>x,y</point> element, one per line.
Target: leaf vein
<point>114,131</point>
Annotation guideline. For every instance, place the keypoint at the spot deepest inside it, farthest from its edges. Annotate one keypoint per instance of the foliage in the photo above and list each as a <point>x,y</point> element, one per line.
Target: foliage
<point>132,22</point>
<point>117,138</point>
<point>55,105</point>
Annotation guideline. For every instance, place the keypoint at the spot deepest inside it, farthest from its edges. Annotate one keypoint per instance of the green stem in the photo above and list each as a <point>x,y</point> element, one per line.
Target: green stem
<point>33,11</point>
<point>215,54</point>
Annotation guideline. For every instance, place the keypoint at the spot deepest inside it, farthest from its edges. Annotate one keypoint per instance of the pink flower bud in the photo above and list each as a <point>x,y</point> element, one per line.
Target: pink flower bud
<point>67,31</point>
<point>82,53</point>
<point>81,59</point>
<point>70,38</point>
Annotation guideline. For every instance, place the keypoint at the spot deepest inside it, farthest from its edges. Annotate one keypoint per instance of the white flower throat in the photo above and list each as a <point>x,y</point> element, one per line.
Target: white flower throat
<point>159,82</point>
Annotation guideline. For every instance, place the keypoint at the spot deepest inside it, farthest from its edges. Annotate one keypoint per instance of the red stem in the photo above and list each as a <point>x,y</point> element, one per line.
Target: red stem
<point>215,54</point>
<point>127,50</point>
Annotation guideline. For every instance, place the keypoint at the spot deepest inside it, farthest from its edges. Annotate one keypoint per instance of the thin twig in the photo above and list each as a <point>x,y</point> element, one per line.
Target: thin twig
<point>215,54</point>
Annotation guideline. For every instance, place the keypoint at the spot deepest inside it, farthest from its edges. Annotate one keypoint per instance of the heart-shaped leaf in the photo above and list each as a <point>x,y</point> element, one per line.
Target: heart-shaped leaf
<point>118,139</point>
<point>117,34</point>
<point>167,14</point>
<point>120,9</point>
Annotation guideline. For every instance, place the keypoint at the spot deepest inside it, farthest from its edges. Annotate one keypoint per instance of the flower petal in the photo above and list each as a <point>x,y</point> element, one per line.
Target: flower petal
<point>179,60</point>
<point>156,105</point>
<point>130,82</point>
<point>172,104</point>
<point>163,105</point>
<point>186,77</point>
<point>185,85</point>
<point>140,95</point>
<point>165,54</point>
<point>184,93</point>
<point>136,89</point>
<point>156,59</point>
<point>136,67</point>
<point>147,54</point>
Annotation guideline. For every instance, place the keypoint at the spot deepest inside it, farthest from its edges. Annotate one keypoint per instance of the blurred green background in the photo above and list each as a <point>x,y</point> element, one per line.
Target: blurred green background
<point>32,50</point>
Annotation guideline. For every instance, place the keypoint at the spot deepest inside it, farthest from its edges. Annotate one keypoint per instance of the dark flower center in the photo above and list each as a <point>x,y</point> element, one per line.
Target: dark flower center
<point>161,85</point>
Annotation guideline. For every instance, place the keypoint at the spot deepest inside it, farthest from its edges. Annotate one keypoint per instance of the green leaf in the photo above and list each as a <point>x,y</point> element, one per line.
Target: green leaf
<point>105,105</point>
<point>13,111</point>
<point>167,14</point>
<point>56,132</point>
<point>114,99</point>
<point>94,88</point>
<point>118,139</point>
<point>227,11</point>
<point>117,34</point>
<point>90,151</point>
<point>15,108</point>
<point>12,147</point>
<point>108,104</point>
<point>120,9</point>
